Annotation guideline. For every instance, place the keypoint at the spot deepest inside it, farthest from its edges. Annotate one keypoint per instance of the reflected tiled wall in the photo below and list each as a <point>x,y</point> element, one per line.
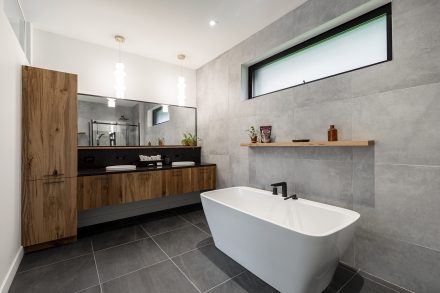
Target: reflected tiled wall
<point>394,185</point>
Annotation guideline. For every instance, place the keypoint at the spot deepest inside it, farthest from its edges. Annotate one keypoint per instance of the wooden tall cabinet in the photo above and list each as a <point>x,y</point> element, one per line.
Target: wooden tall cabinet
<point>49,155</point>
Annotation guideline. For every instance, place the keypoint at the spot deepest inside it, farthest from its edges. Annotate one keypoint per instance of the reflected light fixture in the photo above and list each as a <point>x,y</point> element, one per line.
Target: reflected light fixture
<point>181,84</point>
<point>119,71</point>
<point>165,108</point>
<point>111,102</point>
<point>213,22</point>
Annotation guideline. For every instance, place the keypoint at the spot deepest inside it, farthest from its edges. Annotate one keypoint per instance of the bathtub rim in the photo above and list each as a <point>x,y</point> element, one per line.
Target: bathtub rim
<point>353,215</point>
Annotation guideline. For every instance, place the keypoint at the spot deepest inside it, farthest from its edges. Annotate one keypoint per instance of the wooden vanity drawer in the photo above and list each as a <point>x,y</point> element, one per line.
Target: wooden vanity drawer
<point>48,210</point>
<point>142,186</point>
<point>177,181</point>
<point>99,191</point>
<point>203,178</point>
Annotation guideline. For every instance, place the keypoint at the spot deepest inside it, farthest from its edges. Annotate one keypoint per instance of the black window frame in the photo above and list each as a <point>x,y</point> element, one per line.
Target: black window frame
<point>154,113</point>
<point>383,10</point>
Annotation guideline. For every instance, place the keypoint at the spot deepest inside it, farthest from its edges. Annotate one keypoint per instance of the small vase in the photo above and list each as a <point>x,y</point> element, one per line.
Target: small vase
<point>254,139</point>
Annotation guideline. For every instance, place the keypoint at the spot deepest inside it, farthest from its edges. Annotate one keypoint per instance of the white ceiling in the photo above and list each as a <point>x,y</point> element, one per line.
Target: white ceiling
<point>159,29</point>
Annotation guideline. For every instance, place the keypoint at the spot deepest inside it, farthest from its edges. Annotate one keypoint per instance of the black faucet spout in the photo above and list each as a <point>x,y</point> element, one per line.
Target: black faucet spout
<point>283,188</point>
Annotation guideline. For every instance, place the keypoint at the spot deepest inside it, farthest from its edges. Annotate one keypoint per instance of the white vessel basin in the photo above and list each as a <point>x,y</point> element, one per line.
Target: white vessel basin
<point>120,167</point>
<point>183,163</point>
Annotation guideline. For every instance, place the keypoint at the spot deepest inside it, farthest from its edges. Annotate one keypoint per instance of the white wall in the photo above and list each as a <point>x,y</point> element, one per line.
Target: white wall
<point>147,79</point>
<point>11,59</point>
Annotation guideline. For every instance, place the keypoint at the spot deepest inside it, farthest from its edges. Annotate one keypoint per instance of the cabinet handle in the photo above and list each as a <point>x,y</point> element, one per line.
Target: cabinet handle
<point>53,182</point>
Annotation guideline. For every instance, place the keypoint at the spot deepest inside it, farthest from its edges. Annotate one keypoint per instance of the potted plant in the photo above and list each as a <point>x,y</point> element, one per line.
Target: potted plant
<point>189,139</point>
<point>253,134</point>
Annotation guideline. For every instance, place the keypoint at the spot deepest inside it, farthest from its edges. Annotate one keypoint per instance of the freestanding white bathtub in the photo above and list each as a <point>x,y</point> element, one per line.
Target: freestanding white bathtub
<point>293,245</point>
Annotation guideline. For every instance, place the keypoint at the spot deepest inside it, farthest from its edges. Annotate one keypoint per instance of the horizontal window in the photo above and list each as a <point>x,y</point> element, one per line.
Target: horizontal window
<point>359,43</point>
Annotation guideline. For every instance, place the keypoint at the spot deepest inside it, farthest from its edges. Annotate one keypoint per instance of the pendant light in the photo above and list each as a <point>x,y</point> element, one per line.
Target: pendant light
<point>181,84</point>
<point>119,71</point>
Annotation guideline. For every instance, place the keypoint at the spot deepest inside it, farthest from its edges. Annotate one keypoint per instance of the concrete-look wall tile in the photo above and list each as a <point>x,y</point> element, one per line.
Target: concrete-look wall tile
<point>313,121</point>
<point>223,169</point>
<point>271,166</point>
<point>406,204</point>
<point>325,90</point>
<point>324,181</point>
<point>410,266</point>
<point>239,167</point>
<point>217,140</point>
<point>301,20</point>
<point>364,176</point>
<point>219,87</point>
<point>403,123</point>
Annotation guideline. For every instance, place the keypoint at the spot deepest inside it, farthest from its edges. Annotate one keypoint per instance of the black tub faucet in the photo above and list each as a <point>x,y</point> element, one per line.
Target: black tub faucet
<point>283,188</point>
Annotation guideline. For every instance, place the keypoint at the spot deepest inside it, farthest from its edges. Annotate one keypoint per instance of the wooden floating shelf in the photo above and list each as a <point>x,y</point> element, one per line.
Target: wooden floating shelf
<point>342,143</point>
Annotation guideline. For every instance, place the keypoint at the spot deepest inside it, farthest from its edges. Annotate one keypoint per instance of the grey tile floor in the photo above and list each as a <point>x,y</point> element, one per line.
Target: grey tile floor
<point>171,251</point>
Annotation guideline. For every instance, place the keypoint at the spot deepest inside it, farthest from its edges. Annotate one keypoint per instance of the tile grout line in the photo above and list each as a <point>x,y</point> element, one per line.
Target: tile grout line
<point>195,225</point>
<point>134,271</point>
<point>173,262</point>
<point>96,267</point>
<point>383,285</point>
<point>56,262</point>
<point>161,233</point>
<point>349,280</point>
<point>122,244</point>
<point>225,281</point>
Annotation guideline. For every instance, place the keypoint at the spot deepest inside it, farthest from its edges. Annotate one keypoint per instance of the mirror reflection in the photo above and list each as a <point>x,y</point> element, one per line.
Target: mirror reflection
<point>105,122</point>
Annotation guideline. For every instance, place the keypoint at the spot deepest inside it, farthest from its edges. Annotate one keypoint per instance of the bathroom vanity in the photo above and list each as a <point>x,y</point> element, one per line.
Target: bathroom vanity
<point>98,188</point>
<point>60,179</point>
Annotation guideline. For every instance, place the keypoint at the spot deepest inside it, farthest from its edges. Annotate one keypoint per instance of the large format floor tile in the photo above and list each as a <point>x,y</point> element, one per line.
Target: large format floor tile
<point>117,237</point>
<point>182,240</point>
<point>129,260</point>
<point>244,283</point>
<point>195,217</point>
<point>55,254</point>
<point>119,260</point>
<point>207,267</point>
<point>94,289</point>
<point>158,225</point>
<point>66,276</point>
<point>340,278</point>
<point>360,284</point>
<point>164,277</point>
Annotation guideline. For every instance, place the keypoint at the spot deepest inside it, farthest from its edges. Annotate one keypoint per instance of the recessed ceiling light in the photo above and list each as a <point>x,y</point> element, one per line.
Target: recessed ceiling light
<point>213,22</point>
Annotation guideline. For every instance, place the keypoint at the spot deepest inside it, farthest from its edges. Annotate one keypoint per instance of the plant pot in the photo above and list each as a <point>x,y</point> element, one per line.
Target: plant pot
<point>254,139</point>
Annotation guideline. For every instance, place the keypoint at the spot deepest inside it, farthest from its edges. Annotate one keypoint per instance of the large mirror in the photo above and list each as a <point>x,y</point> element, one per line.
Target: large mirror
<point>131,123</point>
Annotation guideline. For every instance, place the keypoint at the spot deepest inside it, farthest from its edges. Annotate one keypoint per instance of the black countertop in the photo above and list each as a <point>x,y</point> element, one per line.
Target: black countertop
<point>102,171</point>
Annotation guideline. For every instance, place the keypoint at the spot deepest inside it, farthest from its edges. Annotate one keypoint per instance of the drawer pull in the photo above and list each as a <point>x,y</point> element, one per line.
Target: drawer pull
<point>53,182</point>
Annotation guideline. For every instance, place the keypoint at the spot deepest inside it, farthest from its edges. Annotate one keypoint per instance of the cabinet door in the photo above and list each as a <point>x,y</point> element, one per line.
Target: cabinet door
<point>48,210</point>
<point>142,186</point>
<point>203,178</point>
<point>49,124</point>
<point>177,181</point>
<point>98,191</point>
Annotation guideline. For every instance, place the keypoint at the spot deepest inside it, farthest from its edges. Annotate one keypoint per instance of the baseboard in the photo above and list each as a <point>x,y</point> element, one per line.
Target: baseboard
<point>6,284</point>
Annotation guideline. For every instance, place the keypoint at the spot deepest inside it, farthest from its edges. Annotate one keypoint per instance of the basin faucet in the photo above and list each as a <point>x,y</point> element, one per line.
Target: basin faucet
<point>283,188</point>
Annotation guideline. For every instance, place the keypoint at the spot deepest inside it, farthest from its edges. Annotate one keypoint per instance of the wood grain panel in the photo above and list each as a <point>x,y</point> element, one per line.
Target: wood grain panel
<point>177,181</point>
<point>48,210</point>
<point>99,191</point>
<point>203,178</point>
<point>142,186</point>
<point>103,190</point>
<point>49,124</point>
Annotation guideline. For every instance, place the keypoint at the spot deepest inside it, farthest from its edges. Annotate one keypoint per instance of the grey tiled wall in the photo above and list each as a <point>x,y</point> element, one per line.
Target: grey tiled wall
<point>395,185</point>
